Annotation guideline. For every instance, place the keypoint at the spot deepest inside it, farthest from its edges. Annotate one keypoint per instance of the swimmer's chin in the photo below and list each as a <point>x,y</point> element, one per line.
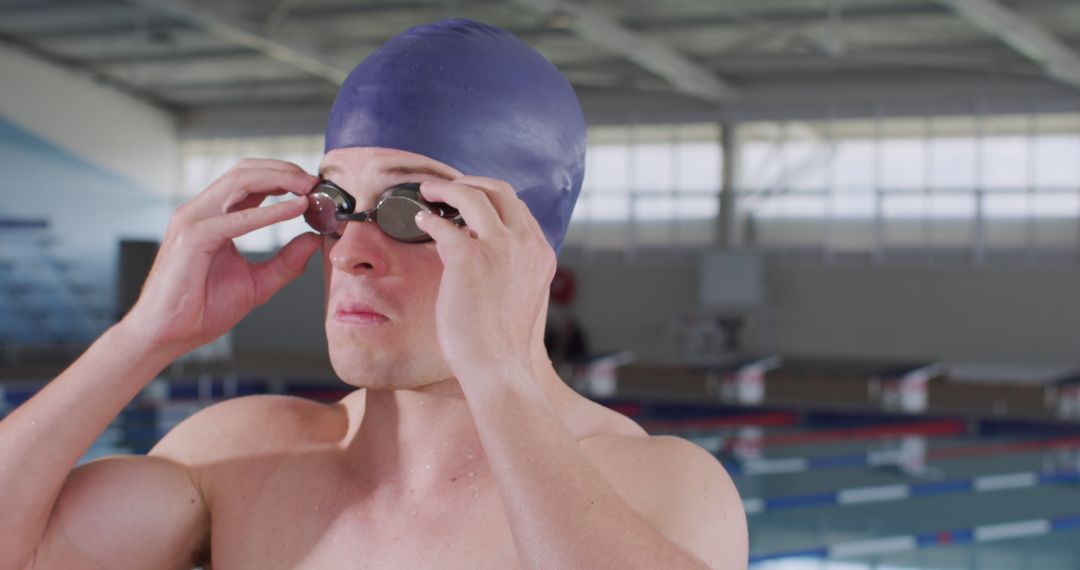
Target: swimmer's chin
<point>376,374</point>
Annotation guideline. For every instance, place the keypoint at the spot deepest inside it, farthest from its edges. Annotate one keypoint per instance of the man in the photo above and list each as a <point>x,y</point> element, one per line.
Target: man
<point>461,447</point>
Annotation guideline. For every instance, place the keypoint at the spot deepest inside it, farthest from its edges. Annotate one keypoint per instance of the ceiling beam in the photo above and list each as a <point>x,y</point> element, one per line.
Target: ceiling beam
<point>1055,57</point>
<point>251,36</point>
<point>657,57</point>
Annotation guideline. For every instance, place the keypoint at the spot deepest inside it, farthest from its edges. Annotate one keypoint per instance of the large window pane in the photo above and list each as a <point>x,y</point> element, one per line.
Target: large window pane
<point>855,164</point>
<point>609,207</point>
<point>1005,162</point>
<point>697,167</point>
<point>807,165</point>
<point>697,207</point>
<point>1057,161</point>
<point>903,164</point>
<point>1055,205</point>
<point>760,165</point>
<point>953,163</point>
<point>1006,206</point>
<point>654,208</point>
<point>652,167</point>
<point>607,168</point>
<point>952,206</point>
<point>853,203</point>
<point>904,206</point>
<point>1007,151</point>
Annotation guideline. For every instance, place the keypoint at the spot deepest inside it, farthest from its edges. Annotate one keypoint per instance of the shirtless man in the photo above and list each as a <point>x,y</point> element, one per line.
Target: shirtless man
<point>460,448</point>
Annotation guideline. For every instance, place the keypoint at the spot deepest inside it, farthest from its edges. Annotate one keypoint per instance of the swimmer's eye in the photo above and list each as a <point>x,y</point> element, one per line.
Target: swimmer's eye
<point>325,202</point>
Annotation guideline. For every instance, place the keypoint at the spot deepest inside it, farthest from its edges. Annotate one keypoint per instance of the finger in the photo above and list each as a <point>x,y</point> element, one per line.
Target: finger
<point>236,224</point>
<point>265,163</point>
<point>236,185</point>
<point>253,201</point>
<point>289,262</point>
<point>473,204</point>
<point>443,231</point>
<point>511,209</point>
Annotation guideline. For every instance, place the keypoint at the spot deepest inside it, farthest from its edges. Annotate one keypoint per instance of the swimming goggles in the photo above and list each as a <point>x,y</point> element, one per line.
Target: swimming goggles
<point>330,208</point>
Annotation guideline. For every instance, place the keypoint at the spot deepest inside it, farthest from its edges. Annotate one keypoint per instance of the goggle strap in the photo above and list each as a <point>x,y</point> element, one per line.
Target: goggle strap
<point>366,216</point>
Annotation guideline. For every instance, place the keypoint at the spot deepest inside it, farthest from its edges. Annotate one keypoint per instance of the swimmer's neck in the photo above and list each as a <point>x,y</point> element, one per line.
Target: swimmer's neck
<point>422,441</point>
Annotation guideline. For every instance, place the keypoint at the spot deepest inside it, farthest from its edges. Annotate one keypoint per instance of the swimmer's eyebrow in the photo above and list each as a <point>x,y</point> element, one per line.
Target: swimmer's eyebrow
<point>393,170</point>
<point>415,170</point>
<point>327,170</point>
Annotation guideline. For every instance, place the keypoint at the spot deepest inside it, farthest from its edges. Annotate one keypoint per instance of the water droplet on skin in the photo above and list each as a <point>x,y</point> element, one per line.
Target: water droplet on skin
<point>472,473</point>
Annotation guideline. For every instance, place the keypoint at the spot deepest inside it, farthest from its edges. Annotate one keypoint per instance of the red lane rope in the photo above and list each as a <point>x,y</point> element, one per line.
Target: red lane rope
<point>1003,448</point>
<point>747,420</point>
<point>928,428</point>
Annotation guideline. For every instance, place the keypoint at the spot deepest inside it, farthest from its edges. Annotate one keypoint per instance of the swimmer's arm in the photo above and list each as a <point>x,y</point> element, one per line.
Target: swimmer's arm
<point>43,439</point>
<point>563,513</point>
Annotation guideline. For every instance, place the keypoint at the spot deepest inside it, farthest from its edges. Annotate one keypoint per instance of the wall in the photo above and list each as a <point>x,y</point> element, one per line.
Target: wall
<point>1021,315</point>
<point>626,306</point>
<point>96,166</point>
<point>100,125</point>
<point>1002,314</point>
<point>1018,314</point>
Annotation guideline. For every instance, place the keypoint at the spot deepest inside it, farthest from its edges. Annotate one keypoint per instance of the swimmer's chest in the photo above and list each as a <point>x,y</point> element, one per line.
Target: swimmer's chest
<point>304,525</point>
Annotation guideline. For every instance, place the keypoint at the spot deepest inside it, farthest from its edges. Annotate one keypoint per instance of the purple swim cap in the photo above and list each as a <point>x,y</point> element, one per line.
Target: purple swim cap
<point>476,98</point>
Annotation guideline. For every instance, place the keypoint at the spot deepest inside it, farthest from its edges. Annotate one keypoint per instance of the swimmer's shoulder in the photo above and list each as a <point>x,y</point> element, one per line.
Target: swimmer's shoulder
<point>679,487</point>
<point>248,425</point>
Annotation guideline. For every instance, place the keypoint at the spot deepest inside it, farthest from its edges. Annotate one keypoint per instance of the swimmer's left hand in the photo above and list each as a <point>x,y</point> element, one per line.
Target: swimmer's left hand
<point>497,272</point>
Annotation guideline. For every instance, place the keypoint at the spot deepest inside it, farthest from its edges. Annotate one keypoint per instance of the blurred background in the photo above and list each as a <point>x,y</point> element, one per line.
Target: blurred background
<point>835,242</point>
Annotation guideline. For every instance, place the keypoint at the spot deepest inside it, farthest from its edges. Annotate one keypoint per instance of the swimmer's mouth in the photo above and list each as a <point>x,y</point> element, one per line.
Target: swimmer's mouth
<point>358,313</point>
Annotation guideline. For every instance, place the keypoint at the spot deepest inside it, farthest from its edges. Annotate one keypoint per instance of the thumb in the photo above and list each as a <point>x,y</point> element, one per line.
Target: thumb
<point>289,262</point>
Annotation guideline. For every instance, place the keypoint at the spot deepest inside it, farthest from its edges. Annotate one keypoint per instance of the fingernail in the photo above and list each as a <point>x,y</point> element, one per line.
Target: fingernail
<point>420,216</point>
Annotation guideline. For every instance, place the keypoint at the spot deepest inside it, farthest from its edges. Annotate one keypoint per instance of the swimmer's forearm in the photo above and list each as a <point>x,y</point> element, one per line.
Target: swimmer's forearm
<point>562,512</point>
<point>43,439</point>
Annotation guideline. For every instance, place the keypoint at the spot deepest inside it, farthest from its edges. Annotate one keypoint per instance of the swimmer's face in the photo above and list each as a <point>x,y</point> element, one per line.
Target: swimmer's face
<point>397,279</point>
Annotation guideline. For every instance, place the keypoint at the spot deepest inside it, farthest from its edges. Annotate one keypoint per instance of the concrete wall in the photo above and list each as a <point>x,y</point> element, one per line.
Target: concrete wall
<point>626,306</point>
<point>291,321</point>
<point>93,163</point>
<point>1008,315</point>
<point>113,130</point>
<point>1020,315</point>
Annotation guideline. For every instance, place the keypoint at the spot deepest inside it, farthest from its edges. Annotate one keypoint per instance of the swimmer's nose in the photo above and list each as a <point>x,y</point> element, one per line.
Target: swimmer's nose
<point>361,249</point>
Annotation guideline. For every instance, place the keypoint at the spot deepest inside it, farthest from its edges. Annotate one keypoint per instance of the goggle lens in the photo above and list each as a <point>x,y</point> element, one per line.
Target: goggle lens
<point>397,217</point>
<point>321,213</point>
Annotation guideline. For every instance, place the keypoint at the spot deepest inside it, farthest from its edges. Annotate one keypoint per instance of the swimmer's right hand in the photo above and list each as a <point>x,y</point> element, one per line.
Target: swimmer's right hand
<point>200,285</point>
